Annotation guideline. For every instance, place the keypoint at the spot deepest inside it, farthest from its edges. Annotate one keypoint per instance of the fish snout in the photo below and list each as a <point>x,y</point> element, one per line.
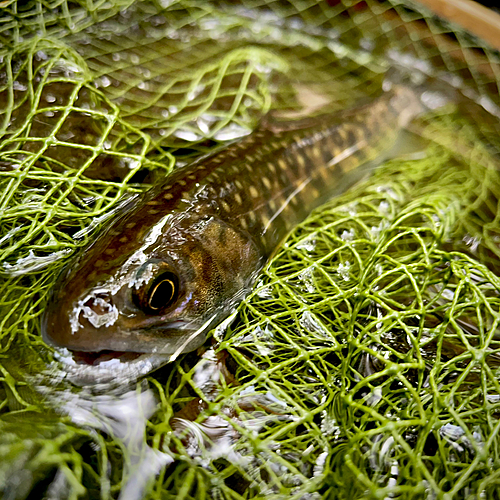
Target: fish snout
<point>74,322</point>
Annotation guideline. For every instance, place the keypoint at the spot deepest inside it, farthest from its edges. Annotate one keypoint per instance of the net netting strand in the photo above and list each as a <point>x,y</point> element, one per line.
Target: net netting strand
<point>365,362</point>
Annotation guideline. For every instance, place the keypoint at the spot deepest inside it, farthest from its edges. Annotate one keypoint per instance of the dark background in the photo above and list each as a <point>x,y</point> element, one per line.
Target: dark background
<point>494,4</point>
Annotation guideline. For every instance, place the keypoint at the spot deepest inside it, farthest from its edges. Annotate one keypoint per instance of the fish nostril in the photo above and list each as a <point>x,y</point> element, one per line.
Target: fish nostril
<point>100,304</point>
<point>98,310</point>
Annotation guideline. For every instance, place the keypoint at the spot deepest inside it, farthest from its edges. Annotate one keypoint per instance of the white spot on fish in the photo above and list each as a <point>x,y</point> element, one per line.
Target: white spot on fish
<point>300,160</point>
<point>251,217</point>
<point>265,220</point>
<point>104,81</point>
<point>282,164</point>
<point>19,86</point>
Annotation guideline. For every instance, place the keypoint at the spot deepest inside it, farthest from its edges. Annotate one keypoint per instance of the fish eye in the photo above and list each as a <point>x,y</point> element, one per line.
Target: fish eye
<point>156,288</point>
<point>163,291</point>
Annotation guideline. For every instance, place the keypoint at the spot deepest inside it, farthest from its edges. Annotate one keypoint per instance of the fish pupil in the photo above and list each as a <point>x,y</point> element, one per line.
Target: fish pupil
<point>163,292</point>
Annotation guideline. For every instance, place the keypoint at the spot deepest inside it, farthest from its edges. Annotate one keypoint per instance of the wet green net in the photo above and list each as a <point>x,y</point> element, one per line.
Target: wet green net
<point>365,362</point>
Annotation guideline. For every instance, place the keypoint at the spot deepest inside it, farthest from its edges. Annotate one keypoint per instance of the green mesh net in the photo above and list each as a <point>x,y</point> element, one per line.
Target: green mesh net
<point>365,362</point>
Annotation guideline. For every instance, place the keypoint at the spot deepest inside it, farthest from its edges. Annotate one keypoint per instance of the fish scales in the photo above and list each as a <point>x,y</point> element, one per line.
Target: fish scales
<point>176,262</point>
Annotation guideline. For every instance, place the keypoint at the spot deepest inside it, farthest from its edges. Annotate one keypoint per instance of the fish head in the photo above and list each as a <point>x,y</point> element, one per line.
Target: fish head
<point>163,296</point>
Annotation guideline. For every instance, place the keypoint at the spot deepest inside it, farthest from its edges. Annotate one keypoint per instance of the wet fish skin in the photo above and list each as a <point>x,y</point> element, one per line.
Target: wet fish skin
<point>202,236</point>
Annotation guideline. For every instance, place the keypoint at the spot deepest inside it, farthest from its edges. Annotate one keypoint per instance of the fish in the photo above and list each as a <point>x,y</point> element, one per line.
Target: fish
<point>177,261</point>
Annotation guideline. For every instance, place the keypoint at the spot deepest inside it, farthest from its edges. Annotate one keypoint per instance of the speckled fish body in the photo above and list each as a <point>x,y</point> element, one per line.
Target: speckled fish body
<point>178,261</point>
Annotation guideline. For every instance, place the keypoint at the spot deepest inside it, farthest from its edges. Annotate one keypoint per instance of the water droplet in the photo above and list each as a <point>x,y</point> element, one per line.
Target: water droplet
<point>231,132</point>
<point>376,231</point>
<point>132,163</point>
<point>203,126</point>
<point>195,92</point>
<point>308,244</point>
<point>389,191</point>
<point>41,56</point>
<point>264,292</point>
<point>320,464</point>
<point>343,270</point>
<point>19,86</point>
<point>104,81</point>
<point>347,235</point>
<point>384,207</point>
<point>187,135</point>
<point>310,323</point>
<point>307,279</point>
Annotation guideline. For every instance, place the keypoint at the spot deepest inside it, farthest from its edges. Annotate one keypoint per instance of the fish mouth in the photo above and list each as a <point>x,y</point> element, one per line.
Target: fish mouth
<point>167,341</point>
<point>91,358</point>
<point>105,370</point>
<point>110,368</point>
